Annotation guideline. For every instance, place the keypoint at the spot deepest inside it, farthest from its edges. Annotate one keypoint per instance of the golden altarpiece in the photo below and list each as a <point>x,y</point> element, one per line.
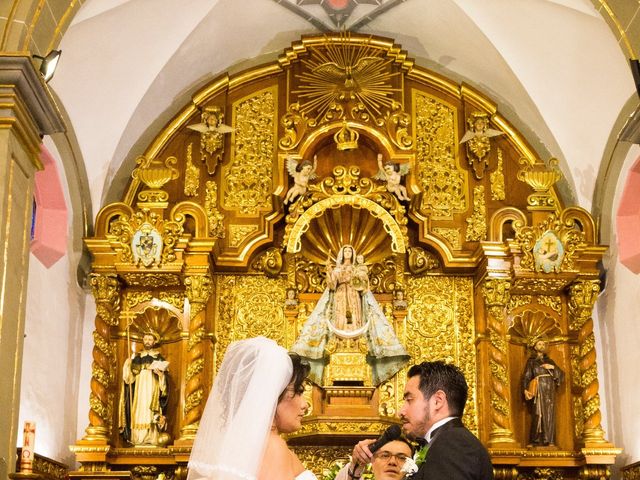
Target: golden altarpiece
<point>203,250</point>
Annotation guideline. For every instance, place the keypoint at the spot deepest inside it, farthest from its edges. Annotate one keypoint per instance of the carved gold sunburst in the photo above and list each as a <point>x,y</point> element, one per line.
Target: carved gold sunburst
<point>343,71</point>
<point>346,225</point>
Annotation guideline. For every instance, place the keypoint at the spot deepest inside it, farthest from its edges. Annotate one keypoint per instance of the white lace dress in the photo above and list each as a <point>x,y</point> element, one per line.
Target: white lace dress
<point>306,475</point>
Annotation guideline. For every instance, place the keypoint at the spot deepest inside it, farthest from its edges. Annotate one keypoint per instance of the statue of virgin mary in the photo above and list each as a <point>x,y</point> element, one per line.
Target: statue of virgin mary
<point>348,309</point>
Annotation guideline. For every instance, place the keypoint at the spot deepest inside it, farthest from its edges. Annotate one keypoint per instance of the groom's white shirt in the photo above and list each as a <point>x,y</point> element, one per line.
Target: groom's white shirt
<point>439,423</point>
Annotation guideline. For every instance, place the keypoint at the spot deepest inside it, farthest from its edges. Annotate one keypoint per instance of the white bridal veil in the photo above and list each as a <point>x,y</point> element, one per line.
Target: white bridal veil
<point>239,413</point>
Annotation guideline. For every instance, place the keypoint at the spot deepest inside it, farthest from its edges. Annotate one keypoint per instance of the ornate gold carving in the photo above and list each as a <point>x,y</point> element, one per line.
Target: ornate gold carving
<point>198,289</point>
<point>122,231</point>
<point>173,298</point>
<point>543,473</point>
<point>541,178</point>
<point>553,302</point>
<point>578,411</point>
<point>497,180</point>
<point>346,188</point>
<point>342,72</point>
<point>166,322</point>
<point>248,307</point>
<point>212,130</point>
<point>191,175</point>
<point>216,219</point>
<point>320,459</point>
<point>505,473</point>
<point>477,222</point>
<point>348,362</point>
<point>270,262</point>
<point>440,325</point>
<point>106,291</point>
<point>309,276</point>
<point>496,298</point>
<point>438,174</point>
<point>308,396</point>
<point>294,124</point>
<point>532,322</point>
<point>133,298</point>
<point>516,301</point>
<point>421,261</point>
<point>154,174</point>
<point>596,472</point>
<point>383,275</point>
<point>451,235</point>
<point>388,397</point>
<point>153,280</point>
<point>631,472</point>
<point>582,297</point>
<point>248,179</point>
<point>567,232</point>
<point>539,285</point>
<point>535,453</point>
<point>343,427</point>
<point>46,468</point>
<point>239,233</point>
<point>478,143</point>
<point>146,472</point>
<point>397,122</point>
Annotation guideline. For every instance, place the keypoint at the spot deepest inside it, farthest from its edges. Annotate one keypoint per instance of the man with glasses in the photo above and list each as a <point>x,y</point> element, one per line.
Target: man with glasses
<point>386,463</point>
<point>434,400</point>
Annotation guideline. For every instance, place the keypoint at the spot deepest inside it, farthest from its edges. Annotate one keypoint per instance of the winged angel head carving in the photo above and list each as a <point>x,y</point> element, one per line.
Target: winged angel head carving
<point>212,132</point>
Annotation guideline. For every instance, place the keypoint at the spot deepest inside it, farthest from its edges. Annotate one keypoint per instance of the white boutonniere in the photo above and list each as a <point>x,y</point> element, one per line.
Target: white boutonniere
<point>409,467</point>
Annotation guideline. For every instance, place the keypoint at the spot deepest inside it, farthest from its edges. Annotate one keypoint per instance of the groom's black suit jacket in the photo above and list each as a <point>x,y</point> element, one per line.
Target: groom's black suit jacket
<point>455,454</point>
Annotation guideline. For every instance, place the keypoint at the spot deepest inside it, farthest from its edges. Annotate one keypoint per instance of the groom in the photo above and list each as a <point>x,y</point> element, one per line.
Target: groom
<point>434,400</point>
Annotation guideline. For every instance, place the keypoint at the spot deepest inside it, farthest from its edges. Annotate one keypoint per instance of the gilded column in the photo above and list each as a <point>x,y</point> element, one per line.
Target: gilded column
<point>198,290</point>
<point>27,113</point>
<point>496,297</point>
<point>106,291</point>
<point>582,297</point>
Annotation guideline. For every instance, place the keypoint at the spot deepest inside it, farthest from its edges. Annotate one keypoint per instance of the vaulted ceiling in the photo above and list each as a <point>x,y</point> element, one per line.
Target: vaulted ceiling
<point>557,69</point>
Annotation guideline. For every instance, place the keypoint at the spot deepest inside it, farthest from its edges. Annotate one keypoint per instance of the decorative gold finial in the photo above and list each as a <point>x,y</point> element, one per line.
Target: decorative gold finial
<point>346,138</point>
<point>154,174</point>
<point>541,178</point>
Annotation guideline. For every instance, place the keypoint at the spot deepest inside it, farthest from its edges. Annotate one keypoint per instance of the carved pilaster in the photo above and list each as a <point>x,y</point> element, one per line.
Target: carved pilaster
<point>496,297</point>
<point>106,291</point>
<point>27,113</point>
<point>595,472</point>
<point>582,297</point>
<point>198,290</point>
<point>505,473</point>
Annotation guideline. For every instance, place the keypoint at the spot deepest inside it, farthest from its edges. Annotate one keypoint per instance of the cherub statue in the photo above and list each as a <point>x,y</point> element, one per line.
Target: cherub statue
<point>392,173</point>
<point>212,132</point>
<point>301,172</point>
<point>477,140</point>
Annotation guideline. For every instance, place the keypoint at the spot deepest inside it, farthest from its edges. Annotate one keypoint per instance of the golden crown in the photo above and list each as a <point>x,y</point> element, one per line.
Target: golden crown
<point>346,138</point>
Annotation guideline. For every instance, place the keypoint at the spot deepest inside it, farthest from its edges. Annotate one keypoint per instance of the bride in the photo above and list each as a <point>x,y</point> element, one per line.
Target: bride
<point>256,397</point>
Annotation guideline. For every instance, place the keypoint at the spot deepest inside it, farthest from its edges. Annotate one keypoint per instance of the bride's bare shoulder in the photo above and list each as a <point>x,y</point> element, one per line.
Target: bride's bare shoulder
<point>279,462</point>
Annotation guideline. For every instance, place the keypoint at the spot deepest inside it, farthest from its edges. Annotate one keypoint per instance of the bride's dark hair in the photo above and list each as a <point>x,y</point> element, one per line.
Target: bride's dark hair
<point>301,370</point>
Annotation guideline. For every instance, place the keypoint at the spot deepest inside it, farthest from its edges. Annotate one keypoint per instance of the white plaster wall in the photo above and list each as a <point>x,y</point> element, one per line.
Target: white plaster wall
<point>52,346</point>
<point>619,356</point>
<point>51,357</point>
